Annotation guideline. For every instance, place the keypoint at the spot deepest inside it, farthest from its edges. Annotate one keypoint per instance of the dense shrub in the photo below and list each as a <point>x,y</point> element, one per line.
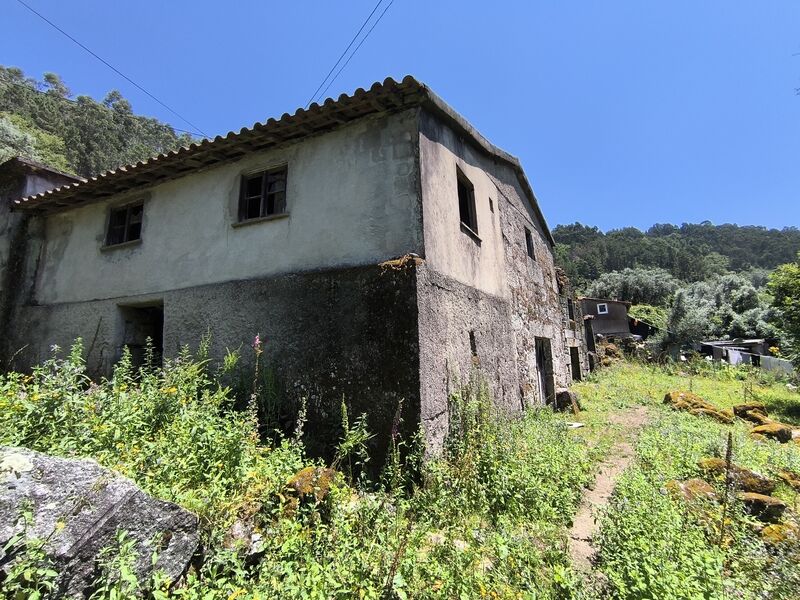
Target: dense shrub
<point>485,519</point>
<point>654,545</point>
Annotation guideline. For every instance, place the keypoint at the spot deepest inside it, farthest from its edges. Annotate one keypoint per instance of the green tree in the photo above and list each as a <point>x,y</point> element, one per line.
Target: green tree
<point>639,286</point>
<point>95,136</point>
<point>784,285</point>
<point>20,137</point>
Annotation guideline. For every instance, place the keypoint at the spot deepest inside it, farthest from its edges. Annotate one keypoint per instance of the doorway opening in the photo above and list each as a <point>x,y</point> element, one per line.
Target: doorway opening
<point>544,365</point>
<point>140,324</point>
<point>575,363</point>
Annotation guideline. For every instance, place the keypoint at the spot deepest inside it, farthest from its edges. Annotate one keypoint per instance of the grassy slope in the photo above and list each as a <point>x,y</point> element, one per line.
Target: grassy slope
<point>654,546</point>
<point>488,520</point>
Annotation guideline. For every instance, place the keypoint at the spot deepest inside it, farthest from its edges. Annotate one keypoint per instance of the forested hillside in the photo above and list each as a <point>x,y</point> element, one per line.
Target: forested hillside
<point>43,121</point>
<point>689,252</point>
<point>693,281</point>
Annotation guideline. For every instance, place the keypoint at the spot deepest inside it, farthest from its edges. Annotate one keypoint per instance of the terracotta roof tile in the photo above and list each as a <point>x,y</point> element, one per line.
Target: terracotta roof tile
<point>389,95</point>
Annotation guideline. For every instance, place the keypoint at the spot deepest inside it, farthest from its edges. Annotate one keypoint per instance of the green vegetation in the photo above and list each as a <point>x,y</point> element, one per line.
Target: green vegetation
<point>656,545</point>
<point>703,281</point>
<point>784,285</point>
<point>41,120</point>
<point>691,252</point>
<point>486,519</point>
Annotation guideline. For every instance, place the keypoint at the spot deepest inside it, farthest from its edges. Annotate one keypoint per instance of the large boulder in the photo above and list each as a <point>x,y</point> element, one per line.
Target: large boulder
<point>755,412</point>
<point>742,479</point>
<point>692,490</point>
<point>695,405</point>
<point>774,431</point>
<point>78,507</point>
<point>764,508</point>
<point>567,399</point>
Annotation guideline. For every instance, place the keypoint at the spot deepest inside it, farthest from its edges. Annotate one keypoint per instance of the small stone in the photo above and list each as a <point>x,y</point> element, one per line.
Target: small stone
<point>567,400</point>
<point>765,508</point>
<point>692,489</point>
<point>780,533</point>
<point>314,481</point>
<point>775,431</point>
<point>791,479</point>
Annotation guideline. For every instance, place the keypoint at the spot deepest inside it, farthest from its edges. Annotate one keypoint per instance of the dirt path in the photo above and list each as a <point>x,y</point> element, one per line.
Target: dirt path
<point>584,527</point>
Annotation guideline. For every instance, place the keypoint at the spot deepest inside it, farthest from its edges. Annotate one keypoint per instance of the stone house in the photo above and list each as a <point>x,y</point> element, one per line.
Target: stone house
<point>19,177</point>
<point>608,318</point>
<point>380,246</point>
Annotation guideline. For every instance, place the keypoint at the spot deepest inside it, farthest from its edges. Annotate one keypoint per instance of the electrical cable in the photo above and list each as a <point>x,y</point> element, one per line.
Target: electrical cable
<point>342,55</point>
<point>113,68</point>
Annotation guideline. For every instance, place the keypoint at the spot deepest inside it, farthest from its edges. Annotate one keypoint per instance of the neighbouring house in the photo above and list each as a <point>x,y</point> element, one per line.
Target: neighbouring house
<point>642,329</point>
<point>19,177</point>
<point>378,244</point>
<point>608,318</point>
<point>581,349</point>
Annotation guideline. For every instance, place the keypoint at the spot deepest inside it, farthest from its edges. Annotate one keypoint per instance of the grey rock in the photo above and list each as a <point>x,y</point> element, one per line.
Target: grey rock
<point>567,400</point>
<point>78,507</point>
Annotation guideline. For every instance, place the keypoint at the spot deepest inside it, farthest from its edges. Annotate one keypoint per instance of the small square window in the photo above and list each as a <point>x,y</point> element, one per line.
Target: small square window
<point>602,309</point>
<point>125,224</point>
<point>262,194</point>
<point>466,202</point>
<point>529,243</point>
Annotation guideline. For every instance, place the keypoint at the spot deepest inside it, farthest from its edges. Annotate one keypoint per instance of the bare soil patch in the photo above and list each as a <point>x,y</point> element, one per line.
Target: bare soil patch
<point>585,525</point>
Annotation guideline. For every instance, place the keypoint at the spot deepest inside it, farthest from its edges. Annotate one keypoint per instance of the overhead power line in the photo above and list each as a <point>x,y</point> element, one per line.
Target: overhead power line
<point>113,68</point>
<point>344,53</point>
<point>364,39</point>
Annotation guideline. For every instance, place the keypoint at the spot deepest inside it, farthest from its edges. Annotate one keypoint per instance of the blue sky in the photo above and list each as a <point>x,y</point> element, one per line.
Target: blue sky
<point>623,113</point>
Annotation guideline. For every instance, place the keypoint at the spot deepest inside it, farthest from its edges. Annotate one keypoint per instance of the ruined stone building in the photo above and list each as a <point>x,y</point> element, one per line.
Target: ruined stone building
<point>285,229</point>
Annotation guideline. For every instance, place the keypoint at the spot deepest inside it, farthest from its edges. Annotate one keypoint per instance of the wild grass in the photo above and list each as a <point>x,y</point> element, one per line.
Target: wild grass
<point>654,545</point>
<point>485,519</point>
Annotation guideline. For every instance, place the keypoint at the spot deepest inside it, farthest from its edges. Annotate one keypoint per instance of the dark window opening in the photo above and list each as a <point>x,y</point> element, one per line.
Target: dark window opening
<point>491,205</point>
<point>125,224</point>
<point>473,345</point>
<point>570,309</point>
<point>466,202</point>
<point>589,335</point>
<point>575,363</point>
<point>544,368</point>
<point>143,334</point>
<point>263,194</point>
<point>529,242</point>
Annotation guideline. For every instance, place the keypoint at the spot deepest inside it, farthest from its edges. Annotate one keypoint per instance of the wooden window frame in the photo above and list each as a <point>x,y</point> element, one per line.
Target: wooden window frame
<point>128,209</point>
<point>264,197</point>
